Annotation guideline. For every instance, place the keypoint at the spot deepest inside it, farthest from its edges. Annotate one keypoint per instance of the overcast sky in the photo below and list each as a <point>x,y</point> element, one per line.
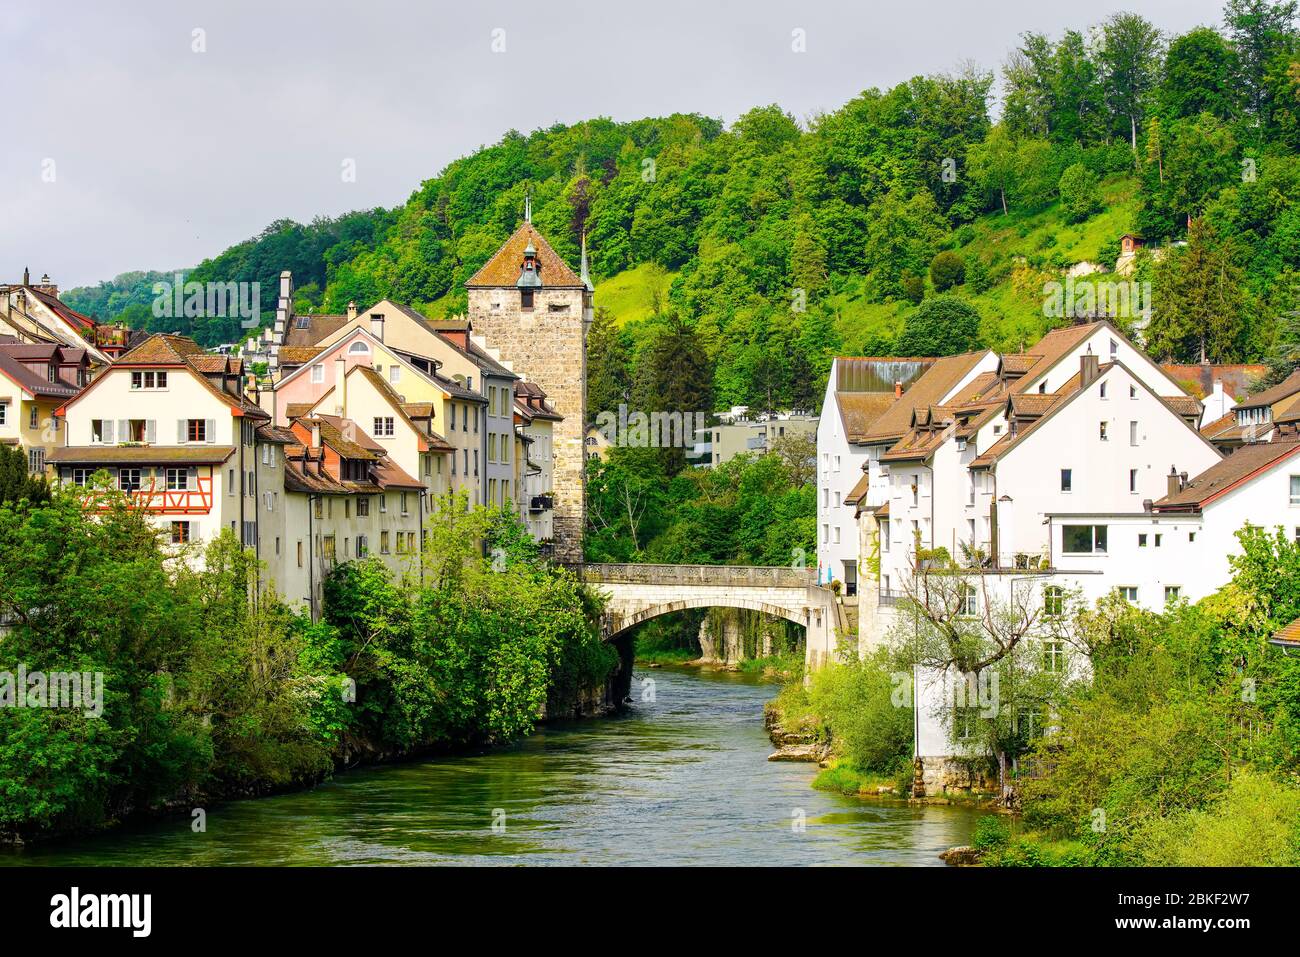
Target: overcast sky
<point>127,149</point>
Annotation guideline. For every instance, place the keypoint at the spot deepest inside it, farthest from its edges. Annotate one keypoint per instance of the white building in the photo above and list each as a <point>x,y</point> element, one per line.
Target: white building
<point>858,392</point>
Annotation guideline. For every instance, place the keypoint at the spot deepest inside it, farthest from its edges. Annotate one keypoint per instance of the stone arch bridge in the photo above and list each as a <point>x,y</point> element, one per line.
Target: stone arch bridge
<point>637,593</point>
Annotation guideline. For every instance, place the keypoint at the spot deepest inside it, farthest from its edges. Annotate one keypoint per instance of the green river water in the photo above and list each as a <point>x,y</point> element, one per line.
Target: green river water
<point>680,779</point>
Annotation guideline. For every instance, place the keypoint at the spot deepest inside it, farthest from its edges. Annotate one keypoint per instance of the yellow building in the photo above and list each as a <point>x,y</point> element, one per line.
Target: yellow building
<point>35,379</point>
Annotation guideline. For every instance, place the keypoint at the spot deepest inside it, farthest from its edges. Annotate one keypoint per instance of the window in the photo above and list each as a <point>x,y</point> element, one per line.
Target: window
<point>147,380</point>
<point>178,480</point>
<point>401,544</point>
<point>1295,489</point>
<point>1102,430</point>
<point>837,534</point>
<point>1172,592</point>
<point>405,509</point>
<point>1142,540</point>
<point>383,543</point>
<point>1054,656</point>
<point>81,476</point>
<point>526,300</point>
<point>363,506</point>
<point>884,537</point>
<point>1132,433</point>
<point>1053,601</point>
<point>300,553</point>
<point>1067,480</point>
<point>1132,392</point>
<point>1083,539</point>
<point>967,601</point>
<point>383,426</point>
<point>327,547</point>
<point>180,533</point>
<point>410,541</point>
<point>1128,592</point>
<point>358,348</point>
<point>1102,390</point>
<point>34,420</point>
<point>196,430</point>
<point>4,413</point>
<point>1114,349</point>
<point>1042,387</point>
<point>36,461</point>
<point>916,488</point>
<point>128,480</point>
<point>318,373</point>
<point>394,374</point>
<point>1133,480</point>
<point>319,508</point>
<point>1158,537</point>
<point>1191,536</point>
<point>361,546</point>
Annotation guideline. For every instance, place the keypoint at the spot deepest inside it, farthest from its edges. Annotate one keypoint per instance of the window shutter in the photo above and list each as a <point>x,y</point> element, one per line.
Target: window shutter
<point>108,431</point>
<point>123,430</point>
<point>191,476</point>
<point>180,431</point>
<point>151,431</point>
<point>211,430</point>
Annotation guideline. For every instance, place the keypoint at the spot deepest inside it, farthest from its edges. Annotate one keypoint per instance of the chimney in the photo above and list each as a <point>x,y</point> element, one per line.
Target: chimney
<point>47,287</point>
<point>377,325</point>
<point>283,319</point>
<point>352,310</point>
<point>1182,481</point>
<point>341,386</point>
<point>1089,368</point>
<point>315,435</point>
<point>1148,505</point>
<point>1173,483</point>
<point>898,389</point>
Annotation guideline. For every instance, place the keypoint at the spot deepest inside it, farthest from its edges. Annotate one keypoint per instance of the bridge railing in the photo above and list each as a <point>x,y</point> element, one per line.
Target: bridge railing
<point>779,576</point>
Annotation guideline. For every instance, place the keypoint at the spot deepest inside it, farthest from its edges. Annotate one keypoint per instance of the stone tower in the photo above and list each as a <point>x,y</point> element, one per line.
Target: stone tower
<point>531,306</point>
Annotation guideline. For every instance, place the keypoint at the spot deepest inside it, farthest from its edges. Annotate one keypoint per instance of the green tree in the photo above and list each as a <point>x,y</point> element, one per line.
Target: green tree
<point>1130,60</point>
<point>1080,193</point>
<point>942,326</point>
<point>947,269</point>
<point>1200,72</point>
<point>1198,301</point>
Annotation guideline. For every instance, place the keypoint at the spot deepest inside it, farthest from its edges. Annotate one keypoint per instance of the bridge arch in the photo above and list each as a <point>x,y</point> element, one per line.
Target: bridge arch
<point>620,624</point>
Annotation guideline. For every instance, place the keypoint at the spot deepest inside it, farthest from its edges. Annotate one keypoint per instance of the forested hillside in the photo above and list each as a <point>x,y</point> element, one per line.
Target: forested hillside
<point>923,218</point>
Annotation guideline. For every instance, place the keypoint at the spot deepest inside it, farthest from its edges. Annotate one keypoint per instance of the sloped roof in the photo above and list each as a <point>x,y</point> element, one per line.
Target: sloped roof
<point>859,491</point>
<point>1228,473</point>
<point>504,266</point>
<point>1288,636</point>
<point>1053,347</point>
<point>38,385</point>
<point>1286,389</point>
<point>140,454</point>
<point>297,355</point>
<point>860,410</point>
<point>938,380</point>
<point>980,389</point>
<point>1237,379</point>
<point>56,305</point>
<point>161,348</point>
<point>309,330</point>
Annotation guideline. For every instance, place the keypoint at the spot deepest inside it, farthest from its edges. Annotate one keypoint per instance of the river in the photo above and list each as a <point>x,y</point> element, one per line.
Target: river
<point>680,779</point>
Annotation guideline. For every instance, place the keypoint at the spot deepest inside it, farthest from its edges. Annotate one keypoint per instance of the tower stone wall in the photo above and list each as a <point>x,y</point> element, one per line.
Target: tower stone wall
<point>547,344</point>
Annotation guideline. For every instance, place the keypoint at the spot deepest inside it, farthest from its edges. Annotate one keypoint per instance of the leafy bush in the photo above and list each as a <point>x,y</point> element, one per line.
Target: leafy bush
<point>1080,193</point>
<point>942,326</point>
<point>870,720</point>
<point>947,269</point>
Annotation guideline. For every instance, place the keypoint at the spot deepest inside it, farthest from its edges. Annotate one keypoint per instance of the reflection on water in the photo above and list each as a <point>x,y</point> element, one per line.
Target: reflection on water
<point>682,779</point>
